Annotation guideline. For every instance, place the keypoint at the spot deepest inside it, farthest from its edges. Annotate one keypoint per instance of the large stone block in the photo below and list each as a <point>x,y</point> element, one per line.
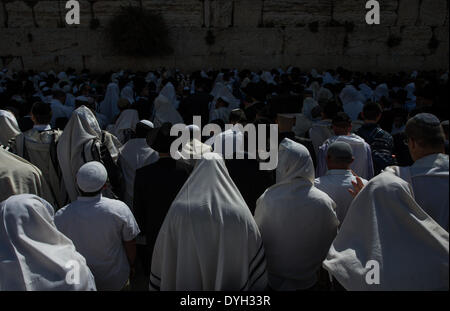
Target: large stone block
<point>433,12</point>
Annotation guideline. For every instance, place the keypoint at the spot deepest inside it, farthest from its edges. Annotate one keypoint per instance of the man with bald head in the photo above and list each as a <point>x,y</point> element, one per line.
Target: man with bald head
<point>339,177</point>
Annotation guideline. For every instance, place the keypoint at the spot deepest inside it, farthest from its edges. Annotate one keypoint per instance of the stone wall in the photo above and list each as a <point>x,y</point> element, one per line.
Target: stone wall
<point>248,33</point>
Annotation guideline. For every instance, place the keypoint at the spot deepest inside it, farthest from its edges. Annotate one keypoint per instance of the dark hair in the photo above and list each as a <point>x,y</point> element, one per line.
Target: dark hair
<point>142,130</point>
<point>342,120</point>
<point>42,112</point>
<point>330,110</point>
<point>161,139</point>
<point>372,111</point>
<point>426,133</point>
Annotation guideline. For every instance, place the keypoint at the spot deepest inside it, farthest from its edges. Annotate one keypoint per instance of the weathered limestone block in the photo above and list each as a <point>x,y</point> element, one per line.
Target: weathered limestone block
<point>329,40</point>
<point>19,15</point>
<point>408,12</point>
<point>247,13</point>
<point>295,12</point>
<point>367,40</point>
<point>433,12</point>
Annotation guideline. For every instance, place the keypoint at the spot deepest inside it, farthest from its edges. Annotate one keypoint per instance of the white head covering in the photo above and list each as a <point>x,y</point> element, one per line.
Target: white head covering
<point>385,224</point>
<point>209,239</point>
<point>75,145</point>
<point>91,177</point>
<point>8,127</point>
<point>165,112</point>
<point>126,121</point>
<point>34,255</point>
<point>308,105</point>
<point>169,92</point>
<point>382,90</point>
<point>297,221</point>
<point>108,107</point>
<point>128,93</point>
<point>352,101</point>
<point>366,91</point>
<point>225,94</point>
<point>268,78</point>
<point>148,123</point>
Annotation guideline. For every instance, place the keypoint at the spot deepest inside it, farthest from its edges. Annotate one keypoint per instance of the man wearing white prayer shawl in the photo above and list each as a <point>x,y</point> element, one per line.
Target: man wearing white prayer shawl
<point>339,177</point>
<point>38,146</point>
<point>352,101</point>
<point>169,92</point>
<point>388,242</point>
<point>125,125</point>
<point>34,255</point>
<point>194,149</point>
<point>209,240</point>
<point>108,107</point>
<point>135,154</point>
<point>297,221</point>
<point>322,130</point>
<point>80,143</point>
<point>429,173</point>
<point>225,94</point>
<point>103,230</point>
<point>165,112</point>
<point>18,176</point>
<point>128,93</point>
<point>342,127</point>
<point>9,127</point>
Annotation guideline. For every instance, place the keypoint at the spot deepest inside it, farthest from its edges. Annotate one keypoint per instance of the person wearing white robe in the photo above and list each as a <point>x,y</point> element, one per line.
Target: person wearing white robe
<point>34,255</point>
<point>429,175</point>
<point>135,154</point>
<point>127,121</point>
<point>339,177</point>
<point>79,144</point>
<point>108,107</point>
<point>165,112</point>
<point>352,101</point>
<point>9,127</point>
<point>297,221</point>
<point>18,176</point>
<point>103,230</point>
<point>128,93</point>
<point>342,127</point>
<point>385,226</point>
<point>209,240</point>
<point>169,92</point>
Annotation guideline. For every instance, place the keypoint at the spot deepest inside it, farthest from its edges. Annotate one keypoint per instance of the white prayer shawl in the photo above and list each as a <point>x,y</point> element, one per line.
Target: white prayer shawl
<point>9,127</point>
<point>328,79</point>
<point>297,221</point>
<point>128,93</point>
<point>34,255</point>
<point>209,240</point>
<point>222,113</point>
<point>386,225</point>
<point>308,105</point>
<point>411,98</point>
<point>226,95</point>
<point>126,121</point>
<point>381,91</point>
<point>352,101</point>
<point>353,109</point>
<point>366,91</point>
<point>75,145</point>
<point>315,87</point>
<point>135,154</point>
<point>217,87</point>
<point>165,112</point>
<point>18,176</point>
<point>363,164</point>
<point>230,137</point>
<point>429,179</point>
<point>108,106</point>
<point>319,133</point>
<point>193,151</point>
<point>59,111</point>
<point>169,92</point>
<point>324,95</point>
<point>302,125</point>
<point>268,78</point>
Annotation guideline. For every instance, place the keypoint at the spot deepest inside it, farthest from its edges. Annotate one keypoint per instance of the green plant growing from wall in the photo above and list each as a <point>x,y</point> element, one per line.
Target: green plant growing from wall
<point>139,32</point>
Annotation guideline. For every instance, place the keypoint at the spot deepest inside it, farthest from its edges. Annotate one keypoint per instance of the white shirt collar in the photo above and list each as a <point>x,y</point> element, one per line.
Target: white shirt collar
<point>42,127</point>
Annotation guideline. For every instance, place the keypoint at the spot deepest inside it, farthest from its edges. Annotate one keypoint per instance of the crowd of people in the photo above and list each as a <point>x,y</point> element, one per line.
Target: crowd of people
<point>92,197</point>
